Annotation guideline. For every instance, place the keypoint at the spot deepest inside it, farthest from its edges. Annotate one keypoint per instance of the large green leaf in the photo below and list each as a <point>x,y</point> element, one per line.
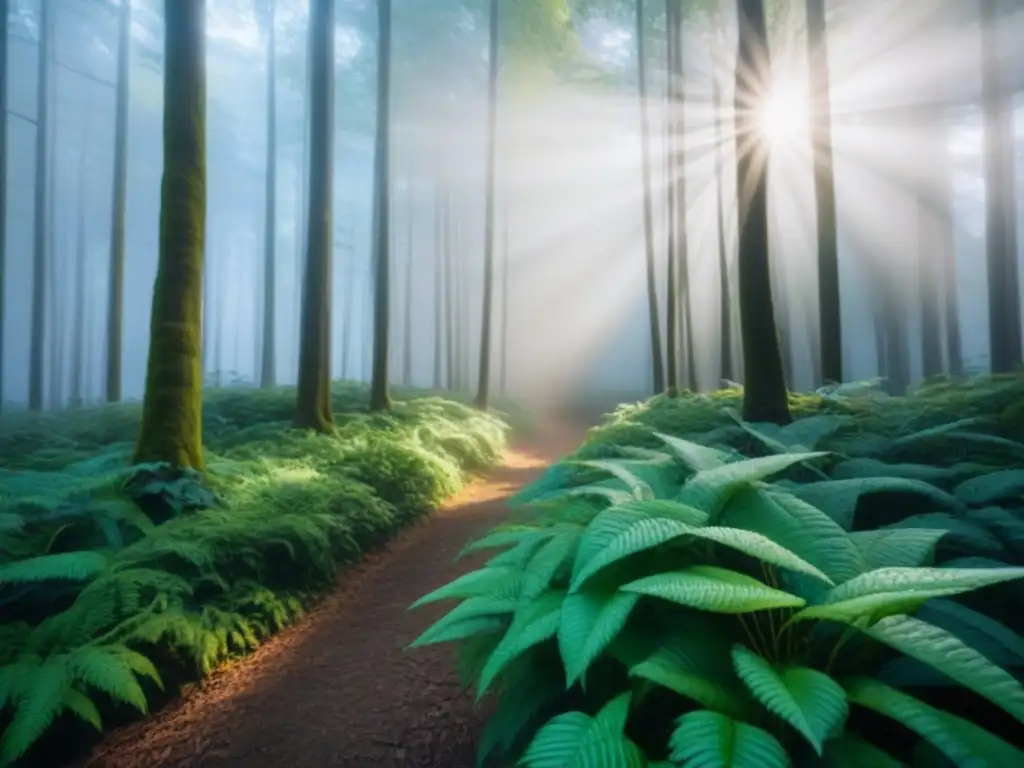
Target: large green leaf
<point>709,588</point>
<point>963,742</point>
<point>992,487</point>
<point>851,751</point>
<point>652,532</point>
<point>69,566</point>
<point>619,469</point>
<point>706,739</point>
<point>838,498</point>
<point>589,621</point>
<point>888,591</point>
<point>695,456</point>
<point>575,740</point>
<point>547,562</point>
<point>952,657</point>
<point>897,547</point>
<point>710,489</point>
<point>533,623</point>
<point>474,584</point>
<point>809,700</point>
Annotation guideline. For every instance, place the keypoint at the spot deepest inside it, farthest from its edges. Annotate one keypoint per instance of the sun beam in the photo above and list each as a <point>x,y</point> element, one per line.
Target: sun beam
<point>783,112</point>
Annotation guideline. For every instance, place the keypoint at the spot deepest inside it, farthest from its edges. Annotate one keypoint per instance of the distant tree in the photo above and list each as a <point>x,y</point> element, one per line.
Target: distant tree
<point>313,406</point>
<point>171,429</point>
<point>4,31</point>
<point>1000,200</point>
<point>764,391</point>
<point>657,359</point>
<point>484,376</point>
<point>266,12</point>
<point>407,301</point>
<point>670,139</point>
<point>380,398</point>
<point>829,314</point>
<point>724,292</point>
<point>79,339</point>
<point>115,280</point>
<point>37,330</point>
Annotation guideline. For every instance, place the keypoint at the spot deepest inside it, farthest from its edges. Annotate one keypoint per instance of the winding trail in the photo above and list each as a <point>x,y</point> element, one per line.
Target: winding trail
<point>339,689</point>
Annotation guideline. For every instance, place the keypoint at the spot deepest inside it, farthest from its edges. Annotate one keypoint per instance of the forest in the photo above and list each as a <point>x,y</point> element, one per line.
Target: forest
<point>541,383</point>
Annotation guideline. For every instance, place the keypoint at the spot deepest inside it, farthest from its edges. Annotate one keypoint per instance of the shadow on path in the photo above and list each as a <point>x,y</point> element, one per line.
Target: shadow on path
<point>339,689</point>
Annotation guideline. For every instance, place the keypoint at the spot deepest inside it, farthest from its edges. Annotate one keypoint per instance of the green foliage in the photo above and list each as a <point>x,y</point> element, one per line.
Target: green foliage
<point>106,595</point>
<point>691,590</point>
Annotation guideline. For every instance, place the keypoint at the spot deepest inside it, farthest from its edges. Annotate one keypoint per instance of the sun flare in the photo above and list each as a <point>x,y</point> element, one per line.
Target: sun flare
<point>783,113</point>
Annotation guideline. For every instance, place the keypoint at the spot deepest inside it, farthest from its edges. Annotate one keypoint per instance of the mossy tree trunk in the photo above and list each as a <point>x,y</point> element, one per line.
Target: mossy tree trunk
<point>654,316</point>
<point>171,429</point>
<point>1000,201</point>
<point>829,315</point>
<point>484,374</point>
<point>268,360</point>
<point>4,23</point>
<point>313,404</point>
<point>380,398</point>
<point>37,330</point>
<point>764,392</point>
<point>115,280</point>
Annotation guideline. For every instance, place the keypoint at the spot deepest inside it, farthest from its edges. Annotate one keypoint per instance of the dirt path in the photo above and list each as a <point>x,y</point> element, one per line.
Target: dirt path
<point>339,689</point>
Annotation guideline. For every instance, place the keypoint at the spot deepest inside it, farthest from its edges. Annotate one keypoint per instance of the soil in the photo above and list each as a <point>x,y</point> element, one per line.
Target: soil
<point>339,689</point>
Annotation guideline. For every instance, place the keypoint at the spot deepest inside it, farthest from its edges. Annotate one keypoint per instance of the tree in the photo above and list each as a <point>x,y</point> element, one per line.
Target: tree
<point>829,315</point>
<point>724,303</point>
<point>268,362</point>
<point>1000,202</point>
<point>658,362</point>
<point>313,406</point>
<point>115,290</point>
<point>37,332</point>
<point>764,392</point>
<point>4,17</point>
<point>171,429</point>
<point>380,398</point>
<point>484,376</point>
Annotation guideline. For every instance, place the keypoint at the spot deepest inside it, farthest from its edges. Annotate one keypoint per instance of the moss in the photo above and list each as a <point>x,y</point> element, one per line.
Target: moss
<point>171,429</point>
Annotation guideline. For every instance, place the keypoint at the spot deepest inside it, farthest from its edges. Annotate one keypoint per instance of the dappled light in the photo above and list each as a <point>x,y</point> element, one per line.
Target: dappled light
<point>663,359</point>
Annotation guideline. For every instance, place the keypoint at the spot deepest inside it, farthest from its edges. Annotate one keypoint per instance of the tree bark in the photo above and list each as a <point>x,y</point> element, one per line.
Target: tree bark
<point>4,24</point>
<point>37,331</point>
<point>829,295</point>
<point>724,303</point>
<point>671,294</point>
<point>657,360</point>
<point>764,394</point>
<point>484,375</point>
<point>380,398</point>
<point>410,211</point>
<point>313,406</point>
<point>268,360</point>
<point>171,429</point>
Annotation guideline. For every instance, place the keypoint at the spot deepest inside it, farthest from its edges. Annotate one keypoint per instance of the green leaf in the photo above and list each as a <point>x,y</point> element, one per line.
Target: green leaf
<point>990,488</point>
<point>706,739</point>
<point>575,740</point>
<point>949,655</point>
<point>110,669</point>
<point>534,623</point>
<point>889,591</point>
<point>637,487</point>
<point>695,456</point>
<point>547,562</point>
<point>960,740</point>
<point>709,588</point>
<point>473,584</point>
<point>477,614</point>
<point>897,547</point>
<point>838,498</point>
<point>40,702</point>
<point>70,566</point>
<point>710,489</point>
<point>83,708</point>
<point>589,621</point>
<point>809,700</point>
<point>652,532</point>
<point>851,751</point>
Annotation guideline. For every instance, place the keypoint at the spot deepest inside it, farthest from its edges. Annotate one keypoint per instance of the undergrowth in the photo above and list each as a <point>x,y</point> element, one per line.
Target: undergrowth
<point>109,600</point>
<point>691,590</point>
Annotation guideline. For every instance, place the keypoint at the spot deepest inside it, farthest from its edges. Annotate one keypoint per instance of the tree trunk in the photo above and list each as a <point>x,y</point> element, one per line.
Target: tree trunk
<point>450,294</point>
<point>81,248</point>
<point>764,393</point>
<point>115,280</point>
<point>4,24</point>
<point>407,300</point>
<point>1000,202</point>
<point>37,332</point>
<point>657,360</point>
<point>484,374</point>
<point>724,303</point>
<point>504,295</point>
<point>947,259</point>
<point>829,295</point>
<point>313,405</point>
<point>380,398</point>
<point>930,233</point>
<point>438,282</point>
<point>671,295</point>
<point>171,429</point>
<point>268,361</point>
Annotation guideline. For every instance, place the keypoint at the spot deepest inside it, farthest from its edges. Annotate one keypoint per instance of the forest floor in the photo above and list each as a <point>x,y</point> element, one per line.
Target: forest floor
<point>339,688</point>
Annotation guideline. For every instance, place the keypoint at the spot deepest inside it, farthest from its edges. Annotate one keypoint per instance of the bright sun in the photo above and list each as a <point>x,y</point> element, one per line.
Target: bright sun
<point>783,113</point>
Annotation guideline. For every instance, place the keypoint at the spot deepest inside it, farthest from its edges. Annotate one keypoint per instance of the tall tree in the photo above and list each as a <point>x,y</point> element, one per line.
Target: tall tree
<point>724,303</point>
<point>4,18</point>
<point>37,332</point>
<point>484,376</point>
<point>410,212</point>
<point>172,413</point>
<point>115,289</point>
<point>657,360</point>
<point>829,316</point>
<point>764,393</point>
<point>438,279</point>
<point>268,361</point>
<point>672,295</point>
<point>505,254</point>
<point>79,339</point>
<point>380,398</point>
<point>313,406</point>
<point>1000,201</point>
